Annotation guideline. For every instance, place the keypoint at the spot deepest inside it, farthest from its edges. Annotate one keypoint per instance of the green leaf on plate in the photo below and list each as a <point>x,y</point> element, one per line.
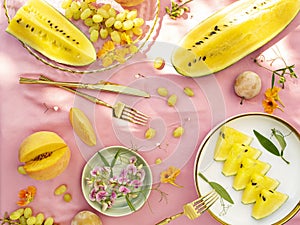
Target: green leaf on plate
<point>129,203</point>
<point>218,188</point>
<point>266,143</point>
<point>103,159</point>
<point>281,140</point>
<point>113,162</point>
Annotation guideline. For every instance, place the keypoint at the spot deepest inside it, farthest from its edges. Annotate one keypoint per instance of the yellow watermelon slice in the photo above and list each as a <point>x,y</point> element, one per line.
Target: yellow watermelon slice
<point>256,184</point>
<point>267,203</point>
<point>227,137</point>
<point>235,157</point>
<point>249,166</point>
<point>45,29</point>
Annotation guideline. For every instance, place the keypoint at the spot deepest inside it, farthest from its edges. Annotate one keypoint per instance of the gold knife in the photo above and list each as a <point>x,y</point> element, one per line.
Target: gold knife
<point>102,85</point>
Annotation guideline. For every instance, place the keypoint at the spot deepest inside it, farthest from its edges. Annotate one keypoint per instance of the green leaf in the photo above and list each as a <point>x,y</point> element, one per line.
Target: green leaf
<point>103,159</point>
<point>113,162</point>
<point>280,138</point>
<point>129,203</point>
<point>218,188</point>
<point>266,143</point>
<point>203,177</point>
<point>221,191</point>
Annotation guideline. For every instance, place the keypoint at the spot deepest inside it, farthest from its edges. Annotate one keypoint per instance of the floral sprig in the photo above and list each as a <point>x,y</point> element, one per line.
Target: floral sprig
<point>272,99</point>
<point>107,187</point>
<point>177,10</point>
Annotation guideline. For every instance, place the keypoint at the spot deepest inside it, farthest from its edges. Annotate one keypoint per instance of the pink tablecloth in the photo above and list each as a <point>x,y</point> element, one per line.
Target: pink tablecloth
<point>23,111</point>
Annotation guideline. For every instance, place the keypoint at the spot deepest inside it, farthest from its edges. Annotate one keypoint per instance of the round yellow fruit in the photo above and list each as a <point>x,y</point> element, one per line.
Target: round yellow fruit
<point>86,218</point>
<point>45,155</point>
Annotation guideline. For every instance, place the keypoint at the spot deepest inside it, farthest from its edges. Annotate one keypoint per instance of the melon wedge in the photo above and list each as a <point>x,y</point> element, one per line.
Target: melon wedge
<point>82,126</point>
<point>267,203</point>
<point>235,157</point>
<point>249,166</point>
<point>256,184</point>
<point>227,137</point>
<point>230,34</point>
<point>46,30</point>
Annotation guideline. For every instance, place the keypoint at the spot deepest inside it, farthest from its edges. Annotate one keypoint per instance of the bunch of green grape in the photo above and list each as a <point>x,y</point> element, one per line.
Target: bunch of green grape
<point>24,216</point>
<point>105,22</point>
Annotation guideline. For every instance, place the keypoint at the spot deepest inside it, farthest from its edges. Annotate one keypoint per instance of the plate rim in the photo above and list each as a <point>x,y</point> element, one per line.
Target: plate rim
<point>281,221</point>
<point>132,152</point>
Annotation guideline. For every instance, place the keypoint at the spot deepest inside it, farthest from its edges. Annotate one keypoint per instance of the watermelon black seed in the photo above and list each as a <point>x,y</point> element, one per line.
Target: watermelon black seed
<point>189,64</point>
<point>212,33</point>
<point>222,135</point>
<point>199,58</point>
<point>204,58</point>
<point>264,198</point>
<point>32,29</point>
<point>27,25</point>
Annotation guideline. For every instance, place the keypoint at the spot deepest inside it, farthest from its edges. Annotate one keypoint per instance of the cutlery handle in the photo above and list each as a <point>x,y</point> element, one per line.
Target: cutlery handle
<point>81,94</point>
<point>169,219</point>
<point>51,82</point>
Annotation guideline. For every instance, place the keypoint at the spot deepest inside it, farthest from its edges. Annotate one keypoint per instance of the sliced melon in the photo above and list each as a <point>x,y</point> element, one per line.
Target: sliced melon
<point>227,137</point>
<point>232,33</point>
<point>256,184</point>
<point>267,203</point>
<point>249,166</point>
<point>46,30</point>
<point>235,157</point>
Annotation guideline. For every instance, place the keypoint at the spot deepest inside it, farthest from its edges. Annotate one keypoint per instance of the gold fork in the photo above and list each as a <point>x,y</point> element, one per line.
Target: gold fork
<point>195,208</point>
<point>120,110</point>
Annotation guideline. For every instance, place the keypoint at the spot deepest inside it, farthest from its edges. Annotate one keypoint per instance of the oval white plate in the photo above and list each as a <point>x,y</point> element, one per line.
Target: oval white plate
<point>120,207</point>
<point>287,174</point>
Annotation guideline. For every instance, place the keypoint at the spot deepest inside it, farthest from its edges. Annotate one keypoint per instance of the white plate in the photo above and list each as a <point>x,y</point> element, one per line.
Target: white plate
<point>120,207</point>
<point>287,174</point>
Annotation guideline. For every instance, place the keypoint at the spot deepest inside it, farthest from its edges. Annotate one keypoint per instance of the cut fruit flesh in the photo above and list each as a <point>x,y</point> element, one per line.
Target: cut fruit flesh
<point>256,184</point>
<point>227,137</point>
<point>46,30</point>
<point>232,33</point>
<point>235,157</point>
<point>249,166</point>
<point>268,202</point>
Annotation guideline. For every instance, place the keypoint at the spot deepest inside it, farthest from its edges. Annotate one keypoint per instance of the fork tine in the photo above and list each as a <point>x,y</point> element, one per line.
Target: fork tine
<point>199,206</point>
<point>137,115</point>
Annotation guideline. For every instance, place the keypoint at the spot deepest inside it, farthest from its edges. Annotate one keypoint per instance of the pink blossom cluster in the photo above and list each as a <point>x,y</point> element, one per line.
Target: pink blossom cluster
<point>106,187</point>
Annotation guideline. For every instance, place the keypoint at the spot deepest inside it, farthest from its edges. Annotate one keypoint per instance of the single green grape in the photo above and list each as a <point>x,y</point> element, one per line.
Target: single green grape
<point>39,218</point>
<point>31,220</point>
<point>22,220</point>
<point>15,215</point>
<point>94,36</point>
<point>49,221</point>
<point>27,212</point>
